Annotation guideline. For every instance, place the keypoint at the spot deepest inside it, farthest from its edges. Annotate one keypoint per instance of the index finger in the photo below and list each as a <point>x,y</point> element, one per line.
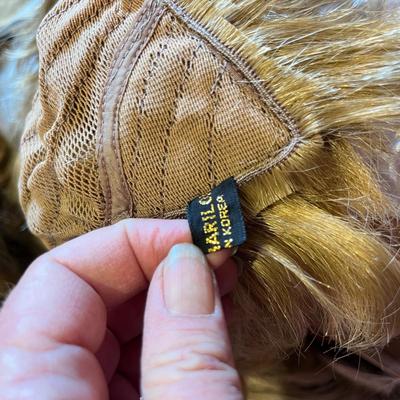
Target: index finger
<point>118,261</point>
<point>63,296</point>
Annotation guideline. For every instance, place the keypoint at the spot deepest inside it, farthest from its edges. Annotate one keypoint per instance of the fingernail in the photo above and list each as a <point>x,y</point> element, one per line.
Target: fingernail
<point>188,283</point>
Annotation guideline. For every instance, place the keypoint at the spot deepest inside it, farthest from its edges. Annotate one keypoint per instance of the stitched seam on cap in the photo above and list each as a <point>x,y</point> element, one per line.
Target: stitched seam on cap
<point>215,98</point>
<point>238,61</point>
<point>172,120</point>
<point>70,104</point>
<point>149,29</point>
<point>283,153</point>
<point>116,64</point>
<point>139,136</point>
<point>143,36</point>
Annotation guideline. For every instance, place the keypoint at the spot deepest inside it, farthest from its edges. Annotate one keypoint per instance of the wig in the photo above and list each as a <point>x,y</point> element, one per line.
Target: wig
<point>302,99</point>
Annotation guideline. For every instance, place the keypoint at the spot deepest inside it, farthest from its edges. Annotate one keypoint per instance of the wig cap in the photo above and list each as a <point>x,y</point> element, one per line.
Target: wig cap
<point>143,107</point>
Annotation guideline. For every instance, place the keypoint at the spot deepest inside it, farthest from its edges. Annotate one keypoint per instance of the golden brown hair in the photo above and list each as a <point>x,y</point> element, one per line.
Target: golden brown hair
<point>323,226</point>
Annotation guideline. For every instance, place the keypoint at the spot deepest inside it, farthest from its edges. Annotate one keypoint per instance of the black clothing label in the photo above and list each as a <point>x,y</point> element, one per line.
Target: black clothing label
<point>216,219</point>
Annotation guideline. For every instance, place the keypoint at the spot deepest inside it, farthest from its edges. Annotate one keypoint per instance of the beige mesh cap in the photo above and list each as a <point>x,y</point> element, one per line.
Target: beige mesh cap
<point>141,107</point>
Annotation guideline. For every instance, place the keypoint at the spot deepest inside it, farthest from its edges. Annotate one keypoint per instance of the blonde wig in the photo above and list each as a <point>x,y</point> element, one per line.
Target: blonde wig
<point>318,300</point>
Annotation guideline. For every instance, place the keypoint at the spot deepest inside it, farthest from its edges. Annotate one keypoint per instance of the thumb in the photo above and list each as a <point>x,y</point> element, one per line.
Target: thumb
<point>186,350</point>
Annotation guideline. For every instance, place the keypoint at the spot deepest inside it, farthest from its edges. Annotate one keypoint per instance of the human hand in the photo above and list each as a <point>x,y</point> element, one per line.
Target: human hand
<point>71,328</point>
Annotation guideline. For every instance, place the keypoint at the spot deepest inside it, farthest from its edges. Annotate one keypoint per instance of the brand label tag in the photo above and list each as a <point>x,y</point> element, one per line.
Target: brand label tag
<point>216,219</point>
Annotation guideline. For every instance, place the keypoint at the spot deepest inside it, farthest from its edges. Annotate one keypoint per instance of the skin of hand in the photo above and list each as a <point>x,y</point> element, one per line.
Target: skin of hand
<point>73,326</point>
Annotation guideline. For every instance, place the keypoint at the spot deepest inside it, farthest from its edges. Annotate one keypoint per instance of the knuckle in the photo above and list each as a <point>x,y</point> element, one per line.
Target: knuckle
<point>204,356</point>
<point>194,356</point>
<point>198,364</point>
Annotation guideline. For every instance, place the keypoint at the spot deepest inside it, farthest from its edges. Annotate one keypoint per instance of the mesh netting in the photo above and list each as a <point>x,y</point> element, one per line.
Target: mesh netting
<point>186,119</point>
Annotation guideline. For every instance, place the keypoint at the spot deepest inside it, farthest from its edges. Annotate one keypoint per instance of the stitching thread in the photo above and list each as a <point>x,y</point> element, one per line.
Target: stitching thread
<point>177,97</point>
<point>72,99</point>
<point>213,93</point>
<point>114,69</point>
<point>139,49</point>
<point>145,35</point>
<point>139,128</point>
<point>238,62</point>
